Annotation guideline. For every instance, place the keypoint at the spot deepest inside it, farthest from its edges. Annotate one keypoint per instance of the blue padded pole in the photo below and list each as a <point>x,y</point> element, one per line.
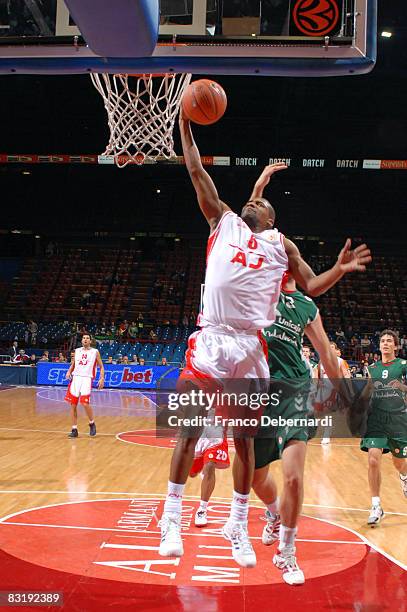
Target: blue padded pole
<point>117,28</point>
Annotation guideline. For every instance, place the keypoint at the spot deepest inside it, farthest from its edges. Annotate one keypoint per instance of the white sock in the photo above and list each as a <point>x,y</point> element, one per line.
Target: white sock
<point>203,505</point>
<point>74,427</point>
<point>173,502</point>
<point>287,537</point>
<point>273,507</point>
<point>239,508</point>
<point>375,501</point>
<point>91,422</point>
<point>403,476</point>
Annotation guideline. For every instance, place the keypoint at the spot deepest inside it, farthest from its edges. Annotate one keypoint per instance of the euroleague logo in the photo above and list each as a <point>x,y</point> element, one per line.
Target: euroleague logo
<point>315,17</point>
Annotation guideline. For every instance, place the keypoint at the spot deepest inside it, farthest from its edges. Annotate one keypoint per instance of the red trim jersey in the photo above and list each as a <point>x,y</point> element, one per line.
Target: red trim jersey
<point>321,369</point>
<point>85,362</point>
<point>243,275</point>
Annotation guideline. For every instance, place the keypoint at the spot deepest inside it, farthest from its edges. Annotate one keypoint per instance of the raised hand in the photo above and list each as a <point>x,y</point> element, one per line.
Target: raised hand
<point>354,260</point>
<point>269,170</point>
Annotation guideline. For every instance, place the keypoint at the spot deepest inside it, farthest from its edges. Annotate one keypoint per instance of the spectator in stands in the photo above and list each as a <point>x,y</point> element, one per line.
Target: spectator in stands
<point>123,327</point>
<point>103,329</point>
<point>340,334</point>
<point>365,369</point>
<point>134,361</point>
<point>110,360</point>
<point>163,361</point>
<point>21,358</point>
<point>61,358</point>
<point>30,335</point>
<point>119,359</point>
<point>142,361</point>
<point>185,320</point>
<point>153,336</point>
<point>132,330</point>
<point>33,360</point>
<point>44,356</point>
<point>125,360</point>
<point>113,329</point>
<point>365,343</point>
<point>13,350</point>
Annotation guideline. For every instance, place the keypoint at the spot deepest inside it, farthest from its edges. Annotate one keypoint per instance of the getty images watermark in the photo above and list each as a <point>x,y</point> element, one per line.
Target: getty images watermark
<point>200,401</point>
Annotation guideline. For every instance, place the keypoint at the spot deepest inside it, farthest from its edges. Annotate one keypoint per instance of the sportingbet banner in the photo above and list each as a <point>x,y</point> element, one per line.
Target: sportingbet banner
<point>116,376</point>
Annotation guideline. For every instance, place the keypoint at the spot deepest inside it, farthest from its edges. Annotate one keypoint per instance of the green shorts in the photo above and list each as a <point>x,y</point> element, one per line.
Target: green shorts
<point>271,440</point>
<point>388,431</point>
<point>397,447</point>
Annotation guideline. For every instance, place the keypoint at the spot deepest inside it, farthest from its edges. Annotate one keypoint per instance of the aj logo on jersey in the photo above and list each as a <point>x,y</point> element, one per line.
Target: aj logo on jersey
<point>249,260</point>
<point>84,360</point>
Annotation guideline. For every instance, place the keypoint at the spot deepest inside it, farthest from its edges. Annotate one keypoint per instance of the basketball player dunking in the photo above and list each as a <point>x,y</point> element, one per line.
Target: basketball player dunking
<point>246,260</point>
<point>83,370</point>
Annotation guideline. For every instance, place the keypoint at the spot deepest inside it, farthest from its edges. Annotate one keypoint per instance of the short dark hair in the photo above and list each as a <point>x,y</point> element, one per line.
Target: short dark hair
<point>392,333</point>
<point>87,334</point>
<point>272,212</point>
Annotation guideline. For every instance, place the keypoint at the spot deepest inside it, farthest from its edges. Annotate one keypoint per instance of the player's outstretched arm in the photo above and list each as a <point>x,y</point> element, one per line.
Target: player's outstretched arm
<point>264,179</point>
<point>348,261</point>
<point>208,198</point>
<point>317,335</point>
<point>321,343</point>
<point>99,361</point>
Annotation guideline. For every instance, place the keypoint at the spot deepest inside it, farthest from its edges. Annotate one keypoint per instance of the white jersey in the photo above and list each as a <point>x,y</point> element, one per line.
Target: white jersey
<point>243,276</point>
<point>85,362</point>
<point>321,369</point>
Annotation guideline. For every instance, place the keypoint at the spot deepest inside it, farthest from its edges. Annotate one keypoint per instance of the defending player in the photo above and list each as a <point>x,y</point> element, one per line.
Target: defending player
<point>211,453</point>
<point>83,370</point>
<point>387,419</point>
<point>246,259</point>
<point>291,382</point>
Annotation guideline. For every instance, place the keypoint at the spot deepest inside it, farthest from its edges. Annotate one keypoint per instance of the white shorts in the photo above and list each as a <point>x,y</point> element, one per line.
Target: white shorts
<point>214,355</point>
<point>79,390</point>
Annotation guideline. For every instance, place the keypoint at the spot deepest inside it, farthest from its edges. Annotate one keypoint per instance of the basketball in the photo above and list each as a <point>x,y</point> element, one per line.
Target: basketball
<point>204,102</point>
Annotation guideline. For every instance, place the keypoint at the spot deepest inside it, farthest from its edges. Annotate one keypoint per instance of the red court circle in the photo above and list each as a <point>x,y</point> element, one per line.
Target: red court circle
<point>118,540</point>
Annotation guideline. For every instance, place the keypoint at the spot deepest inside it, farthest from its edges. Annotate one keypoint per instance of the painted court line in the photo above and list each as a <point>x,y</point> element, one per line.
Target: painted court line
<point>60,431</point>
<point>158,533</point>
<point>186,497</point>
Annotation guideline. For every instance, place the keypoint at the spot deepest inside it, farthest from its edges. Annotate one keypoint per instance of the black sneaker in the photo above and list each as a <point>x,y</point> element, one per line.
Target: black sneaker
<point>92,429</point>
<point>73,434</point>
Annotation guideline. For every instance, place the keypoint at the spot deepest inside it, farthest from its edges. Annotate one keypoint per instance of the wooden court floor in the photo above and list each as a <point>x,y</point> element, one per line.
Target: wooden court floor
<point>41,467</point>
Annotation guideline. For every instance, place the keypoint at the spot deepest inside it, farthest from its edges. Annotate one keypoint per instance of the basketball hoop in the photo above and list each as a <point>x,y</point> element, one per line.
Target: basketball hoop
<point>141,111</point>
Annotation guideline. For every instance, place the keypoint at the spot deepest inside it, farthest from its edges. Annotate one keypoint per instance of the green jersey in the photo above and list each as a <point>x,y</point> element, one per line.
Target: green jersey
<point>385,397</point>
<point>284,338</point>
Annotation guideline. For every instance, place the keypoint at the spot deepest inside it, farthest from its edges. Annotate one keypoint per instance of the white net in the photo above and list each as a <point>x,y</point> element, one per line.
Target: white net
<point>141,111</point>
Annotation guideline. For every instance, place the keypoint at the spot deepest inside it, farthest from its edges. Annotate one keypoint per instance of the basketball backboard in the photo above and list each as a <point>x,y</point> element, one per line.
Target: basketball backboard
<point>291,37</point>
